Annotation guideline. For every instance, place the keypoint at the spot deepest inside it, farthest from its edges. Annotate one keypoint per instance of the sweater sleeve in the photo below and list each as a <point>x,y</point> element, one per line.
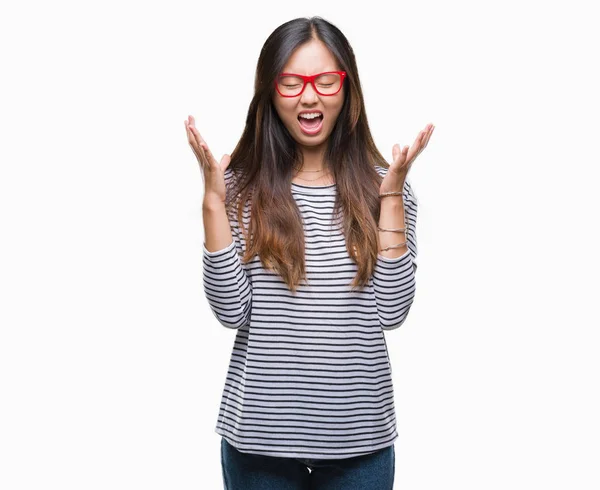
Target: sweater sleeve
<point>394,278</point>
<point>227,286</point>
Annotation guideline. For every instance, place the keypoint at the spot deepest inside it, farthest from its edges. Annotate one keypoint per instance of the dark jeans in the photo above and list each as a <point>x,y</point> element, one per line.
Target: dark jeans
<point>244,471</point>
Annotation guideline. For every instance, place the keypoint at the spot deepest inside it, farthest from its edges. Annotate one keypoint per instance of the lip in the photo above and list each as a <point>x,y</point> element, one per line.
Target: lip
<point>311,131</point>
<point>310,112</point>
<point>314,131</point>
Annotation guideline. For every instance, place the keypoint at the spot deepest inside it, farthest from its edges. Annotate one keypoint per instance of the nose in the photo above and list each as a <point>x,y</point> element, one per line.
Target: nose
<point>309,95</point>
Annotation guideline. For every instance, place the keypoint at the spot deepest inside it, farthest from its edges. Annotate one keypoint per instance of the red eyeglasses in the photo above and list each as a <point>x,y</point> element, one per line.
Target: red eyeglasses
<point>326,83</point>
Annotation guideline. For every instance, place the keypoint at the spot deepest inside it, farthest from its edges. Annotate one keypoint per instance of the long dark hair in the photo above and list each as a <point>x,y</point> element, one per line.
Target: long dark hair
<point>263,160</point>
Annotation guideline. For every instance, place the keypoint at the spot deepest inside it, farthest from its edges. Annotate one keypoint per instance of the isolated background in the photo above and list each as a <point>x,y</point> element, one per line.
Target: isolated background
<point>112,364</point>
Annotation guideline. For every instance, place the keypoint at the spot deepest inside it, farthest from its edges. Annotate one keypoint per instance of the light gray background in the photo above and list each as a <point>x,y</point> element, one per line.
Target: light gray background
<point>111,363</point>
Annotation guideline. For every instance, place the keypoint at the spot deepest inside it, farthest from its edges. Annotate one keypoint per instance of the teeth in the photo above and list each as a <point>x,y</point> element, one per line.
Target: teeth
<point>311,115</point>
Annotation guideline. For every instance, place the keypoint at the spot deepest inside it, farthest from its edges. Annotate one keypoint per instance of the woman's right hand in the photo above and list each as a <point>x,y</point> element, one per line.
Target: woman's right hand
<point>213,172</point>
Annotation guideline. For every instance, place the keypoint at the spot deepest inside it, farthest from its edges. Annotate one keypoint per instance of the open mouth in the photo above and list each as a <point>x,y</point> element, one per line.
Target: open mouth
<point>311,126</point>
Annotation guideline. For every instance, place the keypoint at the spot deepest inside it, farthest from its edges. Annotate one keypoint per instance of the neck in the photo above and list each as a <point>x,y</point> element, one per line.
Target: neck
<point>313,158</point>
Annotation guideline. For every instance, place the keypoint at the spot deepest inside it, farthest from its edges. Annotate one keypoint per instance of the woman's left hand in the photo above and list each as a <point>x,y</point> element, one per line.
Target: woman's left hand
<point>402,161</point>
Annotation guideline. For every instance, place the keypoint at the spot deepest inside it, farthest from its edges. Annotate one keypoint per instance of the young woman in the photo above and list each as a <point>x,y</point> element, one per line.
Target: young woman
<point>309,254</point>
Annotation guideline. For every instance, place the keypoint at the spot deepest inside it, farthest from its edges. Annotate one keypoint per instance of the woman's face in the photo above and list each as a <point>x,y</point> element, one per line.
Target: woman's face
<point>310,59</point>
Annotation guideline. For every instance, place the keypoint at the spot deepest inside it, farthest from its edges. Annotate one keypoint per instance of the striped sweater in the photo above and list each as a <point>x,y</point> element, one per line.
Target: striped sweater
<point>309,375</point>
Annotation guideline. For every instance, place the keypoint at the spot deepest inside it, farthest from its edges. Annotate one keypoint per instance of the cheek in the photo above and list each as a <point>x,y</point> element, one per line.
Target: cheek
<point>335,113</point>
<point>282,105</point>
<point>286,114</point>
<point>336,108</point>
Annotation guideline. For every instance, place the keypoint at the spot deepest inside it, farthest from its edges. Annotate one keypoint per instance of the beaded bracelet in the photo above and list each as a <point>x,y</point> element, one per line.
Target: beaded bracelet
<point>391,229</point>
<point>395,193</point>
<point>398,245</point>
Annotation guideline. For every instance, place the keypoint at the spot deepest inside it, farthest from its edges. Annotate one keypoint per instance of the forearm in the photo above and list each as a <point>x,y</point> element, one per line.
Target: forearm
<point>393,276</point>
<point>392,216</point>
<point>226,283</point>
<point>217,230</point>
<point>227,286</point>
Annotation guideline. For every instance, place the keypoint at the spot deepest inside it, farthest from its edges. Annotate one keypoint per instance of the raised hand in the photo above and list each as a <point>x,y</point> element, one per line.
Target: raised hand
<point>403,160</point>
<point>213,172</point>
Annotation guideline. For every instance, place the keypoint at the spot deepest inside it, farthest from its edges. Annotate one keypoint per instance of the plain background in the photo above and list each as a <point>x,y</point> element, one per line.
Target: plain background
<point>111,363</point>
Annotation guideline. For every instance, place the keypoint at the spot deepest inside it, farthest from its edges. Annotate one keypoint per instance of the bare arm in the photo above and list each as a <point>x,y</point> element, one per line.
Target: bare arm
<point>217,230</point>
<point>392,216</point>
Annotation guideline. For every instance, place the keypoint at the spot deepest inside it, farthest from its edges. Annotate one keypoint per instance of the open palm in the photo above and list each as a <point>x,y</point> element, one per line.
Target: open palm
<point>403,160</point>
<point>213,172</point>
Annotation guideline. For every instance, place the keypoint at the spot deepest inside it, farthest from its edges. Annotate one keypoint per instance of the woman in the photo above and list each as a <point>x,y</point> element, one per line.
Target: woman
<point>310,254</point>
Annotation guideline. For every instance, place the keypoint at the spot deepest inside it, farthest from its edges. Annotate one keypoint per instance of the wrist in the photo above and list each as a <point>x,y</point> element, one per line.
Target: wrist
<point>392,202</point>
<point>212,202</point>
<point>395,188</point>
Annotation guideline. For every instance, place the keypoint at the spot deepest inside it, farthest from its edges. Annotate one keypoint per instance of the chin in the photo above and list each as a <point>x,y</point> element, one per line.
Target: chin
<point>310,142</point>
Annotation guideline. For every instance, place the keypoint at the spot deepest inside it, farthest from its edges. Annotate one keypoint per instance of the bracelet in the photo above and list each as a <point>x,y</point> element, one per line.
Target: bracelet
<point>396,193</point>
<point>398,245</point>
<point>391,229</point>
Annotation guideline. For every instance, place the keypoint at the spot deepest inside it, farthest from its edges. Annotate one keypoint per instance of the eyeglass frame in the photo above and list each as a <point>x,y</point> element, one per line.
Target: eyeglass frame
<point>311,79</point>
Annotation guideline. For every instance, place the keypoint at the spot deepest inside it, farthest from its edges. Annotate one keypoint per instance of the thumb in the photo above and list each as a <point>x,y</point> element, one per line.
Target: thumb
<point>395,151</point>
<point>225,161</point>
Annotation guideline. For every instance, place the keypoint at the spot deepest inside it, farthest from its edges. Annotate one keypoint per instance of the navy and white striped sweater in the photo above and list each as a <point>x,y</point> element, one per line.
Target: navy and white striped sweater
<point>309,375</point>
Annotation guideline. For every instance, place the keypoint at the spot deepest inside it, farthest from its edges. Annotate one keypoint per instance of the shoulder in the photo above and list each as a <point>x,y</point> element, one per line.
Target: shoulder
<point>233,178</point>
<point>381,170</point>
<point>229,175</point>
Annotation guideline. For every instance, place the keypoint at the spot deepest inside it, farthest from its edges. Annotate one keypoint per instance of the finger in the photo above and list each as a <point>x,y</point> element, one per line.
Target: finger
<point>188,129</point>
<point>420,143</point>
<point>225,161</point>
<point>189,121</point>
<point>191,138</point>
<point>198,136</point>
<point>416,148</point>
<point>198,148</point>
<point>192,125</point>
<point>401,159</point>
<point>209,156</point>
<point>426,133</point>
<point>210,159</point>
<point>429,135</point>
<point>395,152</point>
<point>401,155</point>
<point>198,140</point>
<point>203,145</point>
<point>194,134</point>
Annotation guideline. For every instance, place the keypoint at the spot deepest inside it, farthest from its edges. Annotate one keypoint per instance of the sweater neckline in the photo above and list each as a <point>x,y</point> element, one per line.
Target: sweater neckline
<point>313,189</point>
